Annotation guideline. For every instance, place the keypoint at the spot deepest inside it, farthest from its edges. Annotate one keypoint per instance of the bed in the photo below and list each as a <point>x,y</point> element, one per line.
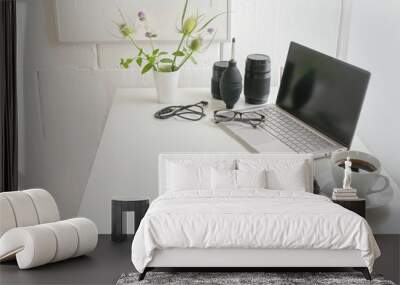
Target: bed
<point>245,211</point>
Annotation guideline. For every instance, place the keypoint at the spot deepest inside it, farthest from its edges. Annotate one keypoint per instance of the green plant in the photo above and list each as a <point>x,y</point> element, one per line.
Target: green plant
<point>193,29</point>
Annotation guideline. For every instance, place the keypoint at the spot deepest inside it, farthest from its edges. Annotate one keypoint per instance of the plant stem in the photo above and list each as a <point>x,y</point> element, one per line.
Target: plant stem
<point>186,58</point>
<point>152,49</point>
<point>179,47</point>
<point>136,46</point>
<point>151,43</point>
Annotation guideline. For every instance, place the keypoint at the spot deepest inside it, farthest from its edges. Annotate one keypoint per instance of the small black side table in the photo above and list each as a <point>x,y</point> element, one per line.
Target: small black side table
<point>121,205</point>
<point>357,206</point>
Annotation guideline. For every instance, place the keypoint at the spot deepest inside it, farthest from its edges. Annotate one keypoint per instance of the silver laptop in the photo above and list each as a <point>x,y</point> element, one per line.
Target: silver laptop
<point>317,108</point>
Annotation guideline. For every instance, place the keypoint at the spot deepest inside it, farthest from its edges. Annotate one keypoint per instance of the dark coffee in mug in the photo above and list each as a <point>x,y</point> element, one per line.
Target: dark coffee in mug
<point>358,165</point>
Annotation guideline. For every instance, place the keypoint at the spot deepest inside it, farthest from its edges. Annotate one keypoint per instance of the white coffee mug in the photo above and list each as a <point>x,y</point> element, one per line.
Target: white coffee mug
<point>363,181</point>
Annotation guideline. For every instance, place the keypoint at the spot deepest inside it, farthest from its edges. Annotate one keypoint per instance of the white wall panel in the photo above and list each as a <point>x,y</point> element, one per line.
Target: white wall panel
<point>268,26</point>
<point>73,107</point>
<point>37,30</point>
<point>254,27</point>
<point>374,44</point>
<point>93,19</point>
<point>313,23</point>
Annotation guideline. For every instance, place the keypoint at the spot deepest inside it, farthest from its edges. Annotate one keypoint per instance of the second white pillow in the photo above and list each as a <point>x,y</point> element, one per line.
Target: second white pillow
<point>188,177</point>
<point>251,178</point>
<point>225,179</point>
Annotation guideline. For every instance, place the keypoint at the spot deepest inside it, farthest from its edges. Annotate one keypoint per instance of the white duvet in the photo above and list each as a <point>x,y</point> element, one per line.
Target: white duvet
<point>250,219</point>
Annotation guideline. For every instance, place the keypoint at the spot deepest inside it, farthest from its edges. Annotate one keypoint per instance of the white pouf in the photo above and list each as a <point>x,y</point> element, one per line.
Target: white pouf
<point>31,233</point>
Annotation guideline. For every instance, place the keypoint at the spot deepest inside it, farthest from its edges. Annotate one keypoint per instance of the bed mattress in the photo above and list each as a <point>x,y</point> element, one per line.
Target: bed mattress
<point>250,219</point>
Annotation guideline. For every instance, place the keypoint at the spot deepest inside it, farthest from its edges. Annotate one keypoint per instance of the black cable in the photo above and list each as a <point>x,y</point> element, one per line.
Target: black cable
<point>183,111</point>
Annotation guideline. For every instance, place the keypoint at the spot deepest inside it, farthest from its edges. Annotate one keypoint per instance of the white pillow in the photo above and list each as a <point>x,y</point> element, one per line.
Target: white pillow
<point>188,177</point>
<point>251,178</point>
<point>293,179</point>
<point>282,174</point>
<point>223,179</point>
<point>227,179</point>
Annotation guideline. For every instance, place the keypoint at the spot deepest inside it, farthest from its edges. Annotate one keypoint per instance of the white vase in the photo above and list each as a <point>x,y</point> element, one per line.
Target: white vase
<point>166,85</point>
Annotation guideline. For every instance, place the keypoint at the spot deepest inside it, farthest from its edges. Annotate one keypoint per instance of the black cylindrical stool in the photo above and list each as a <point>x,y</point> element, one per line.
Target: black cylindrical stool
<point>257,78</point>
<point>119,207</point>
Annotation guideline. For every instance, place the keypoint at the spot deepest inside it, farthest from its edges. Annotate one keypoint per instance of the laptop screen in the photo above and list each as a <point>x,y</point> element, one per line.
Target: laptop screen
<point>322,91</point>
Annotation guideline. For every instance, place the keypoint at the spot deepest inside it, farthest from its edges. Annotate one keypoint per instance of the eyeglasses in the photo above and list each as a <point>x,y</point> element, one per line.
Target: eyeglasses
<point>252,118</point>
<point>193,112</point>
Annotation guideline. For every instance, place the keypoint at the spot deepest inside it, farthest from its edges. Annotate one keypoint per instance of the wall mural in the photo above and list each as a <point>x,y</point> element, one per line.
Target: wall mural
<point>135,164</point>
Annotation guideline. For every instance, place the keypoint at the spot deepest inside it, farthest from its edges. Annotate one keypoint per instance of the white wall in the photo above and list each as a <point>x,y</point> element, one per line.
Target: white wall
<point>65,90</point>
<point>374,44</point>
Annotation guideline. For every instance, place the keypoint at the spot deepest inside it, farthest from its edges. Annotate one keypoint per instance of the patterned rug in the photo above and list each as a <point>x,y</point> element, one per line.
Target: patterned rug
<point>244,278</point>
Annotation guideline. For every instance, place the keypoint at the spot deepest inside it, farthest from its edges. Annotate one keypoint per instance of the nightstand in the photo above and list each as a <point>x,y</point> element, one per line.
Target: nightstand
<point>121,205</point>
<point>356,206</point>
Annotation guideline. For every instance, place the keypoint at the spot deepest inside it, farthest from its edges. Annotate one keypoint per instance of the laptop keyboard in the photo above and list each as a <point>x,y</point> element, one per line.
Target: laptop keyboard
<point>293,134</point>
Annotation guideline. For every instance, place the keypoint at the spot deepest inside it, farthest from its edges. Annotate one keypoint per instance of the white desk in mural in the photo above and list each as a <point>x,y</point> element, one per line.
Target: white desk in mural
<point>126,162</point>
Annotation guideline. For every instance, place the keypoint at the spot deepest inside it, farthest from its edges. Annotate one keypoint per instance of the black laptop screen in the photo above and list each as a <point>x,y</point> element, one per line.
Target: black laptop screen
<point>323,92</point>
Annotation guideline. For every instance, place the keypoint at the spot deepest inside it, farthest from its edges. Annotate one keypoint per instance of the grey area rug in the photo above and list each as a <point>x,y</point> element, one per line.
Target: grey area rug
<point>269,278</point>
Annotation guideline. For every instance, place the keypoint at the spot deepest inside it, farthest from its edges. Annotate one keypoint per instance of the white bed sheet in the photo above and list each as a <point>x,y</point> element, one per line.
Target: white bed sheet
<point>251,218</point>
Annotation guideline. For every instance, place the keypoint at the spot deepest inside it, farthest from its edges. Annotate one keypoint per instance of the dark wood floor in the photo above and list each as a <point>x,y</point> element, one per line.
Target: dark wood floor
<point>110,260</point>
<point>389,262</point>
<point>103,266</point>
